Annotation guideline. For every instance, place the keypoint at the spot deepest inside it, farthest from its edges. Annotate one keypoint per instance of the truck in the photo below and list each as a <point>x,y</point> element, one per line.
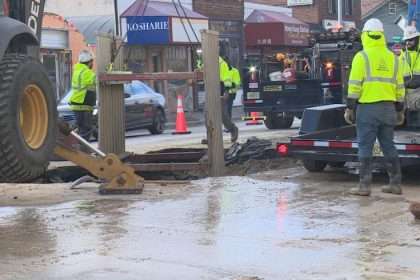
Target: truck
<point>322,81</point>
<point>30,132</point>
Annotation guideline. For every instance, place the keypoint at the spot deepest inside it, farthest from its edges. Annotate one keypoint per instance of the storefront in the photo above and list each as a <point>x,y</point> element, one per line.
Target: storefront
<point>162,37</point>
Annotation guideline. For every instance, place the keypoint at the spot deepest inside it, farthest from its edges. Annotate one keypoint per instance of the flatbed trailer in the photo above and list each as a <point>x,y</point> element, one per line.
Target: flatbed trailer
<point>336,146</point>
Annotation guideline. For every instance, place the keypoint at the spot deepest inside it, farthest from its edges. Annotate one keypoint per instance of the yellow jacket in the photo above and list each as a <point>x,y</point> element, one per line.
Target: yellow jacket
<point>83,79</point>
<point>225,73</point>
<point>376,74</point>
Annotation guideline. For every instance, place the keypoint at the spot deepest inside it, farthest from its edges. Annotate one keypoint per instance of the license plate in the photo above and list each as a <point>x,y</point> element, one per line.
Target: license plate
<point>253,95</point>
<point>273,88</point>
<point>253,85</point>
<point>377,151</point>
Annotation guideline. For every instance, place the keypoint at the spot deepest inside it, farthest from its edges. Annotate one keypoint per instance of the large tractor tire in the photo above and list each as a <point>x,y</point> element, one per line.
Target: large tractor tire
<point>28,118</point>
<point>279,120</point>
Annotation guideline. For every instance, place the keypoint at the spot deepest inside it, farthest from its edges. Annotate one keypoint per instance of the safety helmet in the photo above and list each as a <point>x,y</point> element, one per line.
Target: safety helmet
<point>410,32</point>
<point>85,56</point>
<point>373,25</point>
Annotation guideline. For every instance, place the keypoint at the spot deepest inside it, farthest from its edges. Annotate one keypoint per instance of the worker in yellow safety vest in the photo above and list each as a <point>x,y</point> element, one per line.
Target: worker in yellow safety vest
<point>376,90</point>
<point>226,82</point>
<point>83,97</point>
<point>409,58</point>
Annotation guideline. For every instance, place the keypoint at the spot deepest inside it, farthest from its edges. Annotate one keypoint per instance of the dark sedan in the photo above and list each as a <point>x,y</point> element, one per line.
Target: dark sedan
<point>144,109</point>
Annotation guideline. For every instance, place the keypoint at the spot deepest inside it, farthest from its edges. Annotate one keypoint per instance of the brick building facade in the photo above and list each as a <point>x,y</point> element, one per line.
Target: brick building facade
<point>318,11</point>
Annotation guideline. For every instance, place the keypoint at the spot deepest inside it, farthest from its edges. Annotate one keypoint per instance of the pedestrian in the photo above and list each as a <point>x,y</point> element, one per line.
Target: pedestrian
<point>376,92</point>
<point>83,97</point>
<point>226,84</point>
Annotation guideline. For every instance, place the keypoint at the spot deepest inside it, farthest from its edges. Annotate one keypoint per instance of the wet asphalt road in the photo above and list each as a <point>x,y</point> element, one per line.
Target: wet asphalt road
<point>284,224</point>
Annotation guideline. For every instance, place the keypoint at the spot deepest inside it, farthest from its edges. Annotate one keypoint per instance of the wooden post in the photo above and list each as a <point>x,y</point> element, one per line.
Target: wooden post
<point>111,103</point>
<point>210,43</point>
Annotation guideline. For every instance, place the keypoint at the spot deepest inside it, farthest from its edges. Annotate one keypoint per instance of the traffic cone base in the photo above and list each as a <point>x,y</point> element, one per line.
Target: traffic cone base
<point>254,121</point>
<point>181,121</point>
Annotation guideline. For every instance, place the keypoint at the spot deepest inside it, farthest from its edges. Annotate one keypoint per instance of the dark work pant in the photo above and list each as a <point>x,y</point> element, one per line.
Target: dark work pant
<point>232,97</point>
<point>227,120</point>
<point>376,121</point>
<point>84,123</point>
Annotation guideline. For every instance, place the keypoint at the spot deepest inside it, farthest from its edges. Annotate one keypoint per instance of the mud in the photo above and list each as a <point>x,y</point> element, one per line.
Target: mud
<point>280,224</point>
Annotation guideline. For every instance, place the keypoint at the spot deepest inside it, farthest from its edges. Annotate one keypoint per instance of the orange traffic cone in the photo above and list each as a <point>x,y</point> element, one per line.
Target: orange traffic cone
<point>181,121</point>
<point>254,119</point>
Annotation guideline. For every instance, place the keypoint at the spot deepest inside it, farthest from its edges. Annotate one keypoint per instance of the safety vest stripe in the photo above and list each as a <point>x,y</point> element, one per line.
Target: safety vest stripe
<point>81,107</point>
<point>400,87</point>
<point>354,82</point>
<point>369,77</point>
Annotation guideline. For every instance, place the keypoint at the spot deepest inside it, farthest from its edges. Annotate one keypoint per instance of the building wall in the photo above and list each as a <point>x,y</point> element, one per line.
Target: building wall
<point>309,13</point>
<point>318,11</point>
<point>76,39</point>
<point>391,29</point>
<point>220,9</point>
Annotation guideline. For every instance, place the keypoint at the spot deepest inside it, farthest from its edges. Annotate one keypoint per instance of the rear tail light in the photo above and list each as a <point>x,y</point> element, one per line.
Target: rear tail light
<point>283,149</point>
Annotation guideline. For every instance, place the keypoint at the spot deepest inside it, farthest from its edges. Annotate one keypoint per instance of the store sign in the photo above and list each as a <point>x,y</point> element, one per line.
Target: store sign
<point>148,30</point>
<point>292,3</point>
<point>296,34</point>
<point>332,24</point>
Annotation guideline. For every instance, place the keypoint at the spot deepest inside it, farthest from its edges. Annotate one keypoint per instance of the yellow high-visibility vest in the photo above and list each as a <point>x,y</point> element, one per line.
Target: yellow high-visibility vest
<point>376,73</point>
<point>83,79</point>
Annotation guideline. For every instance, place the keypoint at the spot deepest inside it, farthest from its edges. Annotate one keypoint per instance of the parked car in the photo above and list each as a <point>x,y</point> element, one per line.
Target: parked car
<point>144,109</point>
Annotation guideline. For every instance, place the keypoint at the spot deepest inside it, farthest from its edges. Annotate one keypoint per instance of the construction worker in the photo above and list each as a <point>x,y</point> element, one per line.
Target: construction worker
<point>409,58</point>
<point>376,89</point>
<point>225,86</point>
<point>83,98</point>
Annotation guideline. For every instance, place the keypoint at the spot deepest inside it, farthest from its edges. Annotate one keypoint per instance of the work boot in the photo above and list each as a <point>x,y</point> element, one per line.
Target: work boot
<point>234,134</point>
<point>393,168</point>
<point>365,178</point>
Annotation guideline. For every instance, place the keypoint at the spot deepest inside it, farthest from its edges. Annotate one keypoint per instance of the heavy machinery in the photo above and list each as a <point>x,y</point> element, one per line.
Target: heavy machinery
<point>319,78</point>
<point>28,111</point>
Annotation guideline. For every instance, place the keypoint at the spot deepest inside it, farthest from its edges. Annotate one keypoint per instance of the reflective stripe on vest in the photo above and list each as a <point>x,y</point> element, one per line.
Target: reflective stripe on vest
<point>75,107</point>
<point>370,78</point>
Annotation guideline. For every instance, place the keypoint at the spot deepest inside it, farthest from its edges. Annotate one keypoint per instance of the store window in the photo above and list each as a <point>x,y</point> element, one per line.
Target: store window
<point>332,7</point>
<point>348,7</point>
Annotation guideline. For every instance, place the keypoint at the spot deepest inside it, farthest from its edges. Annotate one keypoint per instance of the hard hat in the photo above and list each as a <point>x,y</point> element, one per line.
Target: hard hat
<point>410,32</point>
<point>85,56</point>
<point>373,25</point>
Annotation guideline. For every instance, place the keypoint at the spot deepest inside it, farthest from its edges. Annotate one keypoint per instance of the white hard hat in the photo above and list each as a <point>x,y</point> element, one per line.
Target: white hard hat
<point>85,56</point>
<point>410,32</point>
<point>373,25</point>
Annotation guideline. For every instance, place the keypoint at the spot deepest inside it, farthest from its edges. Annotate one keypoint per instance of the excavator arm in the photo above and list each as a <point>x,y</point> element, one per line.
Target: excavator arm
<point>118,178</point>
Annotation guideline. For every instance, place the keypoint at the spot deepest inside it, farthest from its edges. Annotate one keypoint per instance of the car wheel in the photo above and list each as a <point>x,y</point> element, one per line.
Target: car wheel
<point>158,126</point>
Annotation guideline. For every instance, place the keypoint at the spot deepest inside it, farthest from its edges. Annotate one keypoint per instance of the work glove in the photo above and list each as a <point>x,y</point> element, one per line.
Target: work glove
<point>349,116</point>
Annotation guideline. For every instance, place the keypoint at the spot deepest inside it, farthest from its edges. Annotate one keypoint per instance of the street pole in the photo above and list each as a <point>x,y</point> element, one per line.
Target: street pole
<point>117,27</point>
<point>340,13</point>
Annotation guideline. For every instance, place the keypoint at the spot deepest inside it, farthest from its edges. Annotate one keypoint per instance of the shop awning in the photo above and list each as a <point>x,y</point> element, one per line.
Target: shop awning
<point>265,28</point>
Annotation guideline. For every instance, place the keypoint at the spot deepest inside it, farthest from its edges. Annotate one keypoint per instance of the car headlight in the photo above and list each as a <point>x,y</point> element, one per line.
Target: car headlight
<point>95,112</point>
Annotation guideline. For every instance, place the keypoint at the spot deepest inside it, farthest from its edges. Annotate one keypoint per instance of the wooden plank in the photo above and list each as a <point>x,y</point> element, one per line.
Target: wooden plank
<point>111,103</point>
<point>210,44</point>
<point>158,76</point>
<point>172,167</point>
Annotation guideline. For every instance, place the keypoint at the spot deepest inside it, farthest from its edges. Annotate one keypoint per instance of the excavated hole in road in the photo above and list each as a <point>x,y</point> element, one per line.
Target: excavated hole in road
<point>251,157</point>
